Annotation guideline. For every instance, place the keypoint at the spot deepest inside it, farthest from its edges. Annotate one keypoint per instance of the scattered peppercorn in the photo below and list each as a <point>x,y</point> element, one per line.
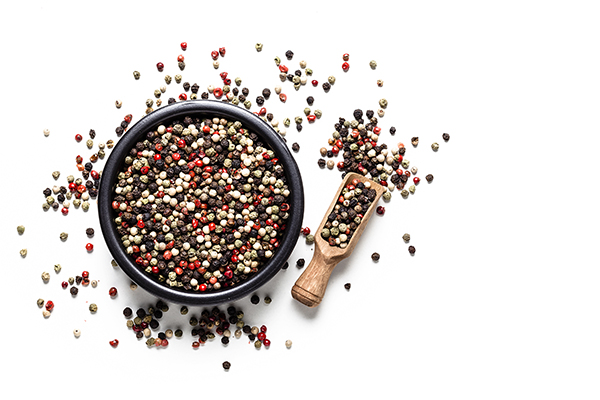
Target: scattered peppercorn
<point>435,146</point>
<point>23,253</point>
<point>412,250</point>
<point>429,178</point>
<point>445,136</point>
<point>347,286</point>
<point>226,365</point>
<point>20,229</point>
<point>375,257</point>
<point>93,308</point>
<point>255,299</point>
<point>136,75</point>
<point>295,147</point>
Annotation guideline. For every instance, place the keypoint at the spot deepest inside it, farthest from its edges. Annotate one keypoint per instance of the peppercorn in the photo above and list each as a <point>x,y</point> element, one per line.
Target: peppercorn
<point>445,136</point>
<point>375,257</point>
<point>373,64</point>
<point>226,365</point>
<point>406,237</point>
<point>412,250</point>
<point>258,47</point>
<point>326,86</point>
<point>347,286</point>
<point>89,232</point>
<point>429,178</point>
<point>435,146</point>
<point>392,131</point>
<point>295,147</point>
<point>379,83</point>
<point>136,75</point>
<point>20,229</point>
<point>93,308</point>
<point>127,312</point>
<point>23,253</point>
<point>267,300</point>
<point>286,265</point>
<point>40,303</point>
<point>76,333</point>
<point>118,103</point>
<point>289,54</point>
<point>255,299</point>
<point>300,263</point>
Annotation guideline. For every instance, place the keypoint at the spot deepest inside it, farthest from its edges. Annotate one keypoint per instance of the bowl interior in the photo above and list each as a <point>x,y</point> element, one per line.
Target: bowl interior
<point>210,109</point>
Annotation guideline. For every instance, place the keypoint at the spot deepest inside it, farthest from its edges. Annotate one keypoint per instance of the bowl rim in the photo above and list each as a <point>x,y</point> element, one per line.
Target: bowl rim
<point>150,122</point>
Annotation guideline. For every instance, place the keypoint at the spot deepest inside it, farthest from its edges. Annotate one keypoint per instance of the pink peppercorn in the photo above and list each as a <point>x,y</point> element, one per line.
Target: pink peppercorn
<point>380,210</point>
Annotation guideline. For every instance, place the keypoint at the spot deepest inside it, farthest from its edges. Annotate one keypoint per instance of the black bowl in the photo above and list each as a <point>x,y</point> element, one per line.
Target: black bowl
<point>164,115</point>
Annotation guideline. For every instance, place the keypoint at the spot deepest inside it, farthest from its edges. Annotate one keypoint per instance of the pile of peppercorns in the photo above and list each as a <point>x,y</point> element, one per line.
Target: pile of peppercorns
<point>348,213</point>
<point>201,204</point>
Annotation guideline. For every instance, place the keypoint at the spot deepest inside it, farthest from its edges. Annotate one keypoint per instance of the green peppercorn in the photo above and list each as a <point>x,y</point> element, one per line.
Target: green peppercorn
<point>268,300</point>
<point>277,61</point>
<point>435,146</point>
<point>40,303</point>
<point>178,333</point>
<point>57,268</point>
<point>287,122</point>
<point>20,229</point>
<point>310,239</point>
<point>331,80</point>
<point>404,193</point>
<point>258,47</point>
<point>183,310</point>
<point>318,113</point>
<point>387,196</point>
<point>238,81</point>
<point>309,71</point>
<point>306,111</point>
<point>383,103</point>
<point>93,308</point>
<point>178,78</point>
<point>412,189</point>
<point>373,64</point>
<point>168,79</point>
<point>23,253</point>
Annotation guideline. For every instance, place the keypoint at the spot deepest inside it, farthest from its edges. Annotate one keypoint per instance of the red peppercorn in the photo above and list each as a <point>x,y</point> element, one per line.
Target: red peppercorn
<point>195,344</point>
<point>261,336</point>
<point>283,69</point>
<point>183,96</point>
<point>218,92</point>
<point>267,342</point>
<point>164,343</point>
<point>114,343</point>
<point>416,180</point>
<point>112,292</point>
<point>184,46</point>
<point>345,66</point>
<point>85,274</point>
<point>340,165</point>
<point>64,210</point>
<point>222,51</point>
<point>89,247</point>
<point>263,328</point>
<point>346,57</point>
<point>214,54</point>
<point>180,58</point>
<point>95,175</point>
<point>311,118</point>
<point>282,97</point>
<point>306,231</point>
<point>160,66</point>
<point>314,82</point>
<point>49,305</point>
<point>64,284</point>
<point>380,210</point>
<point>128,118</point>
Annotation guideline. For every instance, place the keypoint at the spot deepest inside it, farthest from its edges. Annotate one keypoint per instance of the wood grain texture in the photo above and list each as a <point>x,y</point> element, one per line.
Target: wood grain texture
<point>310,287</point>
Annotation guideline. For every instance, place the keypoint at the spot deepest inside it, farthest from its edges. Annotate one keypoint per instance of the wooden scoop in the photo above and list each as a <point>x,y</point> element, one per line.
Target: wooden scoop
<point>310,286</point>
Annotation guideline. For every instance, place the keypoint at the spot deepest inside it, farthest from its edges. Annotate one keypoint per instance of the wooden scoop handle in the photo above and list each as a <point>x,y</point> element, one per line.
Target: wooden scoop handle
<point>310,286</point>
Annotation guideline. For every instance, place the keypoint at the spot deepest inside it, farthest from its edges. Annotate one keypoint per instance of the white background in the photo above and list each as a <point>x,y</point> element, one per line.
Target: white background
<point>501,299</point>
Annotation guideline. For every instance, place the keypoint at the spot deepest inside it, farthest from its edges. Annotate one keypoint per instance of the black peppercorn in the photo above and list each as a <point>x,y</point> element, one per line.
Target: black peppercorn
<point>392,130</point>
<point>300,263</point>
<point>347,286</point>
<point>266,93</point>
<point>429,178</point>
<point>255,299</point>
<point>299,127</point>
<point>89,232</point>
<point>411,250</point>
<point>321,163</point>
<point>375,256</point>
<point>286,265</point>
<point>260,100</point>
<point>326,87</point>
<point>310,100</point>
<point>74,291</point>
<point>446,137</point>
<point>225,340</point>
<point>295,147</point>
<point>289,54</point>
<point>127,312</point>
